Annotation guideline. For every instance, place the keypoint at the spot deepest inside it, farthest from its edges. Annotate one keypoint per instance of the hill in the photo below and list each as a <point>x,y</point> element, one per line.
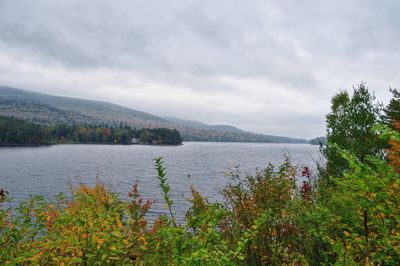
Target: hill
<point>201,125</point>
<point>43,108</point>
<point>47,109</point>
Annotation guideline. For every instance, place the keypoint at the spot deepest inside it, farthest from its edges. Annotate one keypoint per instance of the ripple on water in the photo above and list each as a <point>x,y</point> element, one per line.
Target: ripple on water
<point>50,170</point>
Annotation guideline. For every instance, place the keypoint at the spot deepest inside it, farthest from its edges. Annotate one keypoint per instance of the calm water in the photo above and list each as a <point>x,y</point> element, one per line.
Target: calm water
<point>54,169</point>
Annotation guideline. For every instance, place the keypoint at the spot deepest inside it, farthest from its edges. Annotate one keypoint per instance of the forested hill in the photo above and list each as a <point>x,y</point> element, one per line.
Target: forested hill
<point>47,109</point>
<point>200,125</point>
<point>43,108</point>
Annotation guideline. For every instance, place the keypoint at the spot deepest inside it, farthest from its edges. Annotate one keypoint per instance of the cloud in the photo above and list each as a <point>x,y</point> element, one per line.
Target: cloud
<point>265,66</point>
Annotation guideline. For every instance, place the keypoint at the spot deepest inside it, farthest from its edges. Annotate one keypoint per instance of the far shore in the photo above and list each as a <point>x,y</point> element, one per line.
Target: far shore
<point>146,144</point>
<point>79,143</point>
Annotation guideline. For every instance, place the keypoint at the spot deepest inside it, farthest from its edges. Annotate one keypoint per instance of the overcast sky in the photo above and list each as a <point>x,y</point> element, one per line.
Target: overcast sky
<point>265,66</point>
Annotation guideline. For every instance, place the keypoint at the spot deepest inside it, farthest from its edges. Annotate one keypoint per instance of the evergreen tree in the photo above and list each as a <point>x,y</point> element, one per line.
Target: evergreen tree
<point>392,111</point>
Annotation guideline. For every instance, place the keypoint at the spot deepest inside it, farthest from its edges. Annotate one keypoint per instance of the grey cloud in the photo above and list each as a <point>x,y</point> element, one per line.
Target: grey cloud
<point>306,48</point>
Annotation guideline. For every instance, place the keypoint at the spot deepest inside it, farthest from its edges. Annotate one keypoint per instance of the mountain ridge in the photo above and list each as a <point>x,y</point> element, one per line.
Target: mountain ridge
<point>201,125</point>
<point>48,109</point>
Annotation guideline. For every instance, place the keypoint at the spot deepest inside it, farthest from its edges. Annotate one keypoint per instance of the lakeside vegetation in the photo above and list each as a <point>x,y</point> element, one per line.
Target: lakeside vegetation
<point>347,213</point>
<point>15,131</point>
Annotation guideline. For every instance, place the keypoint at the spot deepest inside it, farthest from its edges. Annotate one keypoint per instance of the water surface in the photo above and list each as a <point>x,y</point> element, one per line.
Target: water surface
<point>53,169</point>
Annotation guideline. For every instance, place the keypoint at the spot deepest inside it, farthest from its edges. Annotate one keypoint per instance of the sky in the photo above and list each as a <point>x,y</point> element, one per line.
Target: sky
<point>270,67</point>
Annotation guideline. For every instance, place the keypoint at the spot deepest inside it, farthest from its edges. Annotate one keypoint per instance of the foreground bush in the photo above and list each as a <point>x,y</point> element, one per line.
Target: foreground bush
<point>266,218</point>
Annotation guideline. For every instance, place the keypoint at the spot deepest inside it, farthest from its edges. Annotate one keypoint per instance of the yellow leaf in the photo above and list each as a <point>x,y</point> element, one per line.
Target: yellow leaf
<point>37,256</point>
<point>118,222</point>
<point>381,215</point>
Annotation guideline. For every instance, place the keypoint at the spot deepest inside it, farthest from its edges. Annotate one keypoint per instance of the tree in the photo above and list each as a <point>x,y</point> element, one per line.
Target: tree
<point>392,111</point>
<point>392,118</point>
<point>349,127</point>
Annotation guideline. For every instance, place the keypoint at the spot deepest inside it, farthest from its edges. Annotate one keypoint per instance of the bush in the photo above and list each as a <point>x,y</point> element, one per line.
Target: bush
<point>264,219</point>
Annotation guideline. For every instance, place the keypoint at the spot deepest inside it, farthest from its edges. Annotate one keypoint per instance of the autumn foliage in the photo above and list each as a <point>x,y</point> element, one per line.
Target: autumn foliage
<point>282,215</point>
<point>394,150</point>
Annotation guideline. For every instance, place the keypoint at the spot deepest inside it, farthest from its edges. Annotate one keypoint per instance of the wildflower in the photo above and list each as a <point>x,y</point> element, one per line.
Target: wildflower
<point>306,172</point>
<point>305,190</point>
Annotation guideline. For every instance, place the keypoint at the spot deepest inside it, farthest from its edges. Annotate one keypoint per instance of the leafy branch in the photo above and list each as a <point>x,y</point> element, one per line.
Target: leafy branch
<point>165,188</point>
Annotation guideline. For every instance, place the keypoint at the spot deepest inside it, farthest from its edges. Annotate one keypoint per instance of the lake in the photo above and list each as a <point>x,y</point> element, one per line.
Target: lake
<point>53,169</point>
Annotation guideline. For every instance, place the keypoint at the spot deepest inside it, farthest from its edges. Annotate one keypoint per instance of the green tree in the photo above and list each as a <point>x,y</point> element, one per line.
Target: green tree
<point>349,126</point>
<point>392,111</point>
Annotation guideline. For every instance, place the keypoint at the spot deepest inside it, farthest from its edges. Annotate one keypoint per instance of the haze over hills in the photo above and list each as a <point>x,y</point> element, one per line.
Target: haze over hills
<point>201,125</point>
<point>47,109</point>
<point>43,108</point>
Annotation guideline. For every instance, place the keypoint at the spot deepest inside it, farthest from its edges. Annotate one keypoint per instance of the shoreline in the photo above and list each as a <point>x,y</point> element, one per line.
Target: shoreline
<point>142,144</point>
<point>80,143</point>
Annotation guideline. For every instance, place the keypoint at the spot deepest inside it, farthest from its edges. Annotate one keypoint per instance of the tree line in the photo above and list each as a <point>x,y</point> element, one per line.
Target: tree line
<point>14,131</point>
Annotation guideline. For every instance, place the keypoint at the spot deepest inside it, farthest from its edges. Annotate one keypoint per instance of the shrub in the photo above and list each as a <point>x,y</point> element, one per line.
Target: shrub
<point>264,218</point>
